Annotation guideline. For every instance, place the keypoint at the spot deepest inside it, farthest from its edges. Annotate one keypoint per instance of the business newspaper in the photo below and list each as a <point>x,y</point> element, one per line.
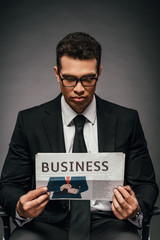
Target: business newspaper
<point>90,176</point>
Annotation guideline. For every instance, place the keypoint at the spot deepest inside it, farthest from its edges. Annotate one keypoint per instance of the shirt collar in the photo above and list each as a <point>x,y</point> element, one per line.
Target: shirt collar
<point>68,114</point>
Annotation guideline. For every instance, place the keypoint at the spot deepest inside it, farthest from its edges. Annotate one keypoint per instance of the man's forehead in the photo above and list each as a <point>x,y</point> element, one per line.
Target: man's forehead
<point>74,65</point>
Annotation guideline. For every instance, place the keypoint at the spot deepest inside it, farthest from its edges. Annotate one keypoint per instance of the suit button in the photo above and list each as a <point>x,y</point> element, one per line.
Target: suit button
<point>66,206</point>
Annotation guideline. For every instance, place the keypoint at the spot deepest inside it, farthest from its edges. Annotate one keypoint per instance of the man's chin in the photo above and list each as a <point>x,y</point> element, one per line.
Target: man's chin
<point>79,108</point>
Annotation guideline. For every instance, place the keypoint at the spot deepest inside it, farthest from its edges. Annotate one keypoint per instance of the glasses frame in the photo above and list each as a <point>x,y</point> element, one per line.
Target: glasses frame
<point>77,80</point>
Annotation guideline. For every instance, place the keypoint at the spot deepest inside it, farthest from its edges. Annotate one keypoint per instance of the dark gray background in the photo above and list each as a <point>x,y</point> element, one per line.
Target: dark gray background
<point>129,32</point>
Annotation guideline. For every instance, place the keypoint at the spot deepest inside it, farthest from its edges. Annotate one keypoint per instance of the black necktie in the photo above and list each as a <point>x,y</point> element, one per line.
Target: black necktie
<point>79,142</point>
<point>80,209</point>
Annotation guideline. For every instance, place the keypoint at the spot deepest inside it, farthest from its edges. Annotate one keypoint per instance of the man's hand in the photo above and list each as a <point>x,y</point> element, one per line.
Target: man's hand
<point>65,186</point>
<point>73,190</point>
<point>33,203</point>
<point>124,203</point>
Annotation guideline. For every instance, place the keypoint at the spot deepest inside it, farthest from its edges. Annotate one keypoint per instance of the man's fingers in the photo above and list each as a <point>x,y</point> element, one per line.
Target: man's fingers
<point>66,186</point>
<point>73,190</point>
<point>38,201</point>
<point>116,209</point>
<point>38,205</point>
<point>44,203</point>
<point>127,194</point>
<point>33,194</point>
<point>120,199</point>
<point>39,208</point>
<point>129,189</point>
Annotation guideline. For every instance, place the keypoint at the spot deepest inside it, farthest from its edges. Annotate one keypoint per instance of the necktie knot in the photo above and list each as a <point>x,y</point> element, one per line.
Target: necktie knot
<point>79,121</point>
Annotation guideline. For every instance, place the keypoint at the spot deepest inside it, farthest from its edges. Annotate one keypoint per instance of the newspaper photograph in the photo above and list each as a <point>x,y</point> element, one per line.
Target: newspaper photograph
<point>90,176</point>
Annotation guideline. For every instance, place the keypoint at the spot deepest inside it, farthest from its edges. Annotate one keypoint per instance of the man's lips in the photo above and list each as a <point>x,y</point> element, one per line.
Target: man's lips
<point>78,99</point>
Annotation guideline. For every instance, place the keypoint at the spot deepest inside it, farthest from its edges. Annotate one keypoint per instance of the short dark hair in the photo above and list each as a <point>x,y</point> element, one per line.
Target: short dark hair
<point>78,45</point>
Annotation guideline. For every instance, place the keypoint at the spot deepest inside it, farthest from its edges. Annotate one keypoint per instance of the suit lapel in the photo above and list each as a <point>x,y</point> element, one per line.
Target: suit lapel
<point>54,127</point>
<point>106,128</point>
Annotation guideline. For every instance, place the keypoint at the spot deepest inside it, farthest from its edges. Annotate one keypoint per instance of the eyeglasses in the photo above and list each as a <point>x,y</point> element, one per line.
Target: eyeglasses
<point>71,81</point>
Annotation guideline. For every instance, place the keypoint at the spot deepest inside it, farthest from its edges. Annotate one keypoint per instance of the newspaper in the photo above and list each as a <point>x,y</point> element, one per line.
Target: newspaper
<point>90,176</point>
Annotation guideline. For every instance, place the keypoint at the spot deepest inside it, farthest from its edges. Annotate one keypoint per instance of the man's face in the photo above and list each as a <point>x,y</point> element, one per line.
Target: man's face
<point>77,97</point>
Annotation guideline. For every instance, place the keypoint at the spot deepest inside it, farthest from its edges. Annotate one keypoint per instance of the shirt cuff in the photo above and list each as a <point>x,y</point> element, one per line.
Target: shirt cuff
<point>21,221</point>
<point>138,222</point>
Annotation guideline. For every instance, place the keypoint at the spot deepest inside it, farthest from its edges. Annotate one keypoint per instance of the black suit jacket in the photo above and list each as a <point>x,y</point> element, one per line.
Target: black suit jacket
<point>39,129</point>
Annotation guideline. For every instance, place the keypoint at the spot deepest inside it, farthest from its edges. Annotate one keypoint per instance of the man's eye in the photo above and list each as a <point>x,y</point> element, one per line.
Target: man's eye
<point>88,79</point>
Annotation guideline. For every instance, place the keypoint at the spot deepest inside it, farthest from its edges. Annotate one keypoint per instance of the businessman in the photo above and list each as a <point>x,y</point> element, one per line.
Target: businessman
<point>77,121</point>
<point>67,187</point>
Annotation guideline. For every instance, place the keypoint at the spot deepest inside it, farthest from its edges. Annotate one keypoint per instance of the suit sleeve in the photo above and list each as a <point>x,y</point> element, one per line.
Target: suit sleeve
<point>16,178</point>
<point>139,172</point>
<point>54,185</point>
<point>83,185</point>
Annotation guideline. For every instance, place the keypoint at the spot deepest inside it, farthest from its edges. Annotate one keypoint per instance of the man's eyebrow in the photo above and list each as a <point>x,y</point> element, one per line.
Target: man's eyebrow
<point>86,75</point>
<point>89,75</point>
<point>68,75</point>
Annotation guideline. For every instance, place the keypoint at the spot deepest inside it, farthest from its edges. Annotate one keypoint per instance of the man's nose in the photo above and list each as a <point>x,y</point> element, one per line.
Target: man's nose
<point>79,87</point>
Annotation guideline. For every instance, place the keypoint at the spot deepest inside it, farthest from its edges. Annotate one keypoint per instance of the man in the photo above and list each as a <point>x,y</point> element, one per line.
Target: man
<point>51,127</point>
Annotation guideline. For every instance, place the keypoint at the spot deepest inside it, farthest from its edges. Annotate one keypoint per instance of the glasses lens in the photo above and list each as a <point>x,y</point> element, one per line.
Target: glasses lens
<point>88,81</point>
<point>69,82</point>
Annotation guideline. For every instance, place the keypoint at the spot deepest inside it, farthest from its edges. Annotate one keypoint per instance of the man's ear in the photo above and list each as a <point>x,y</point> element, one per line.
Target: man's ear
<point>56,73</point>
<point>100,70</point>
